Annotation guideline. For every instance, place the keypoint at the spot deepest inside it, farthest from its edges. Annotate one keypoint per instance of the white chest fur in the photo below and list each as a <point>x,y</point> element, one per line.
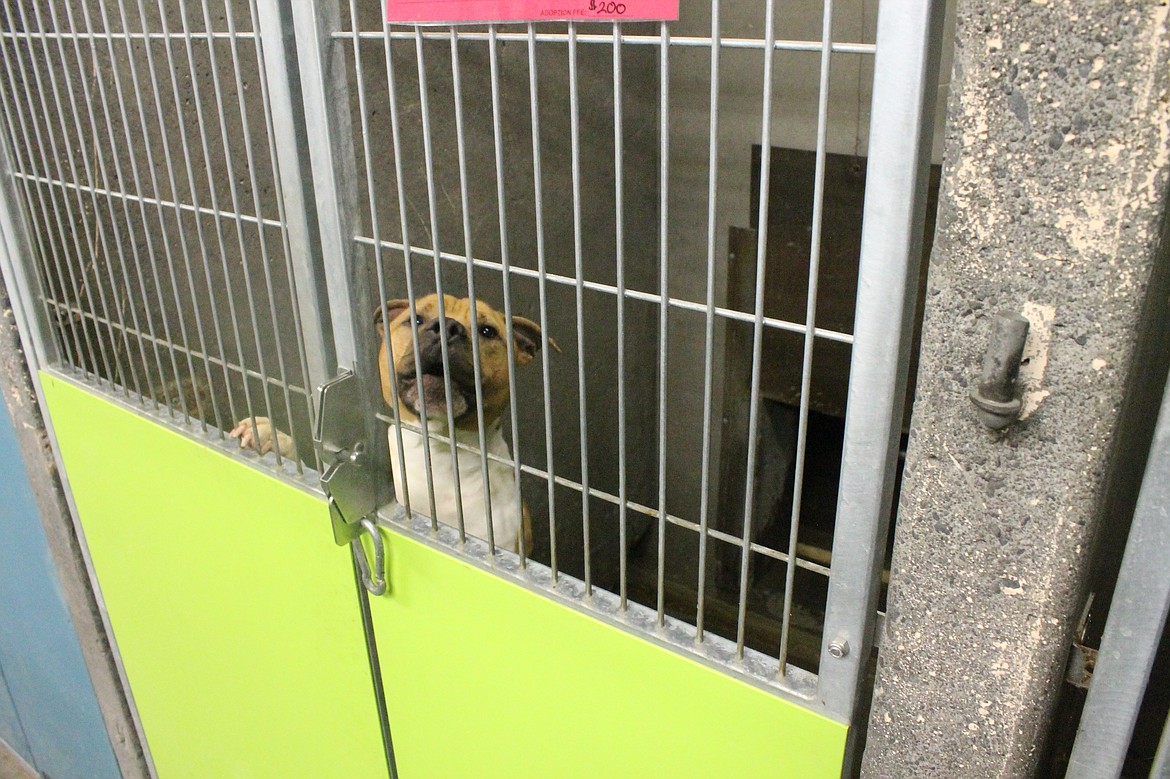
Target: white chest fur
<point>473,482</point>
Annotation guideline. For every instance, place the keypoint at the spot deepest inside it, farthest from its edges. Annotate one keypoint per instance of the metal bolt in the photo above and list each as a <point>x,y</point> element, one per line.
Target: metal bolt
<point>995,397</point>
<point>838,648</point>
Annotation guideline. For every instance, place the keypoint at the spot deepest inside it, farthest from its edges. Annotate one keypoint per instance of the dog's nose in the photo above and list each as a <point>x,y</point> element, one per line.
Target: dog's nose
<point>454,329</point>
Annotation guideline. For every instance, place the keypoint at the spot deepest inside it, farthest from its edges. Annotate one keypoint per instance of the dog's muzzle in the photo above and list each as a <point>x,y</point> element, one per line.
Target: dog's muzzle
<point>431,391</point>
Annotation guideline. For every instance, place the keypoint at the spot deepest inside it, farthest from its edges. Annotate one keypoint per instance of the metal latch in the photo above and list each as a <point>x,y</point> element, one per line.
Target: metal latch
<point>348,481</point>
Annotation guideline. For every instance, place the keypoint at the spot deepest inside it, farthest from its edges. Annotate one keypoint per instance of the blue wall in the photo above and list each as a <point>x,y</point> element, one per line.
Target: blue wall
<point>48,711</point>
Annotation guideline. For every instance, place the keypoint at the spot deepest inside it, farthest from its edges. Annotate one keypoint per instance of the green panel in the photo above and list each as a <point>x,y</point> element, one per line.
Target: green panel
<point>487,679</point>
<point>235,613</point>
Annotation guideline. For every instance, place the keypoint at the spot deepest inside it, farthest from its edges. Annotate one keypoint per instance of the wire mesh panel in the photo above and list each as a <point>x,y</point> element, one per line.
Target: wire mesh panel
<point>584,273</point>
<point>141,145</point>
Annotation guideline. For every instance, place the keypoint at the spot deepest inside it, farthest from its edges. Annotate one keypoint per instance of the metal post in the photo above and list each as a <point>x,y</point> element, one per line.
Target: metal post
<point>909,37</point>
<point>1137,617</point>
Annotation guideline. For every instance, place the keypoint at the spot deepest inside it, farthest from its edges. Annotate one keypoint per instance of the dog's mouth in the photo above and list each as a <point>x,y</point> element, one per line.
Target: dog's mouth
<point>431,394</point>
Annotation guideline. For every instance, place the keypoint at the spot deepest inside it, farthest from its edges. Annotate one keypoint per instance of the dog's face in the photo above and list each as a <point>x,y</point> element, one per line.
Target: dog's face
<point>428,390</point>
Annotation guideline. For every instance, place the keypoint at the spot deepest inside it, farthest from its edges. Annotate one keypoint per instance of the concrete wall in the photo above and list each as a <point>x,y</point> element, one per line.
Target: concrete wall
<point>1055,181</point>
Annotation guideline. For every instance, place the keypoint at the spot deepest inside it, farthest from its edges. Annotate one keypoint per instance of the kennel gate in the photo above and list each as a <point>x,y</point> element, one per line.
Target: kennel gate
<point>111,144</point>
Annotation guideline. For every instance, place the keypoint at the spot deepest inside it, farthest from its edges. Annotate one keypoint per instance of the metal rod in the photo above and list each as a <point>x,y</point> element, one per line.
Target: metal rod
<point>619,256</point>
<point>407,249</point>
<point>579,286</point>
<point>631,294</point>
<point>112,36</point>
<point>440,293</point>
<point>709,323</point>
<point>505,263</point>
<point>758,328</point>
<point>465,216</point>
<point>663,308</point>
<point>542,269</point>
<point>643,40</point>
<point>810,318</point>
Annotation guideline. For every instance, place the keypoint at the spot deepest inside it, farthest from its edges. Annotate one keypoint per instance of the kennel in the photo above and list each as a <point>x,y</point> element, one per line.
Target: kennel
<point>205,204</point>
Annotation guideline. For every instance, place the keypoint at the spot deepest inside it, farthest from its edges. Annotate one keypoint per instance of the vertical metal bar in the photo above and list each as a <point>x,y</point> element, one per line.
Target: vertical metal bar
<point>810,316</point>
<point>909,36</point>
<point>663,306</point>
<point>289,148</point>
<point>282,122</point>
<point>1161,767</point>
<point>758,324</point>
<point>709,317</point>
<point>579,267</point>
<point>620,259</point>
<point>432,209</point>
<point>407,248</point>
<point>505,261</point>
<point>334,167</point>
<point>1137,617</point>
<point>465,213</point>
<point>542,269</point>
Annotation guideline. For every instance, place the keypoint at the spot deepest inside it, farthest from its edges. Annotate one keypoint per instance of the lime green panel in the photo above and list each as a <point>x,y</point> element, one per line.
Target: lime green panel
<point>235,614</point>
<point>486,679</point>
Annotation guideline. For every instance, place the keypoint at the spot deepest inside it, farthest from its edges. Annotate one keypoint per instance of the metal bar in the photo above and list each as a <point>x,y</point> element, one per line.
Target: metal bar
<point>440,294</point>
<point>664,295</point>
<point>288,153</point>
<point>1137,617</point>
<point>1161,767</point>
<point>505,263</point>
<point>334,170</point>
<point>709,328</point>
<point>758,328</point>
<point>542,269</point>
<point>810,318</point>
<point>644,40</point>
<point>619,257</point>
<point>579,285</point>
<point>407,250</point>
<point>108,36</point>
<point>465,214</point>
<point>631,294</point>
<point>147,200</point>
<point>909,38</point>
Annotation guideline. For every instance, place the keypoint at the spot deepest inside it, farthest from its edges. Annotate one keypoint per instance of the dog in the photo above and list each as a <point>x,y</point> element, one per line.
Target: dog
<point>417,392</point>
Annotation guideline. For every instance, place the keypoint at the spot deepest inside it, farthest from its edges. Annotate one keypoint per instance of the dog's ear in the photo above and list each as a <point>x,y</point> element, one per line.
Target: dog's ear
<point>528,339</point>
<point>388,311</point>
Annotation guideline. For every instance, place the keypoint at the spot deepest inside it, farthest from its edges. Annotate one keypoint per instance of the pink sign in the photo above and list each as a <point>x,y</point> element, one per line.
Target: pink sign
<point>459,11</point>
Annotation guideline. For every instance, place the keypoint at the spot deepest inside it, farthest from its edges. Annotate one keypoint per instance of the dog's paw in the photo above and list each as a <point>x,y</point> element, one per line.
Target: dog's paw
<point>263,437</point>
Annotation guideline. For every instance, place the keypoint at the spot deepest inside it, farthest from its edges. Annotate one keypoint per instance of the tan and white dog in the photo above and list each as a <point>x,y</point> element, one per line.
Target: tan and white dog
<point>428,391</point>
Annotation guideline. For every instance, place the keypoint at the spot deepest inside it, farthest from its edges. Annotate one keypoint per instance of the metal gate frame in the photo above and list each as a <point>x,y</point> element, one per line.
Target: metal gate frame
<point>316,160</point>
<point>908,50</point>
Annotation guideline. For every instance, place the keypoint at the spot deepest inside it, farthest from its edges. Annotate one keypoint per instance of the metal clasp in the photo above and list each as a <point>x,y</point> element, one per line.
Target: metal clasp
<point>348,482</point>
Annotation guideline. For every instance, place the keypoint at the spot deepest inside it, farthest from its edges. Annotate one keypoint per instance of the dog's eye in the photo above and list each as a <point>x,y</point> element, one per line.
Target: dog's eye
<point>418,320</point>
<point>487,331</point>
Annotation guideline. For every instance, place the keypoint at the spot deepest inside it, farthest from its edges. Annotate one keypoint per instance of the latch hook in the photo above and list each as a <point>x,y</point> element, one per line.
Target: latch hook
<point>375,584</point>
